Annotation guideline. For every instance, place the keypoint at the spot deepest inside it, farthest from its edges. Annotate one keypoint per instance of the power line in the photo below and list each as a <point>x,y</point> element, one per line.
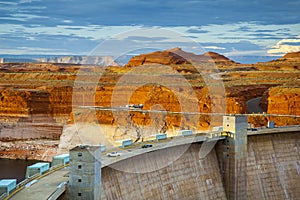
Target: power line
<point>121,108</point>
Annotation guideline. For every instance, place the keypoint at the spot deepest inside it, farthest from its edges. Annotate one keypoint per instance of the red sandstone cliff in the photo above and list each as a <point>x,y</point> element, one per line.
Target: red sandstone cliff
<point>292,56</point>
<point>36,99</point>
<point>177,56</point>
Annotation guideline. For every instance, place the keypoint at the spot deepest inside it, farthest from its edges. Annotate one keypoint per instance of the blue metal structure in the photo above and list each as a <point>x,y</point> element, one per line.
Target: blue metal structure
<point>39,167</point>
<point>61,159</point>
<point>186,132</point>
<point>126,143</point>
<point>7,185</point>
<point>162,136</point>
<point>102,148</point>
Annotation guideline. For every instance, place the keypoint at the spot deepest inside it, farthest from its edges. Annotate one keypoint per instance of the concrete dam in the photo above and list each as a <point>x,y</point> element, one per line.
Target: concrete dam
<point>235,163</point>
<point>272,172</point>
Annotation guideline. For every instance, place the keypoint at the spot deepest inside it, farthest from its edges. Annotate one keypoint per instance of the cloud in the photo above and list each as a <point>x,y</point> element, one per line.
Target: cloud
<point>143,38</point>
<point>285,46</point>
<point>155,12</point>
<point>8,3</point>
<point>23,17</point>
<point>198,30</point>
<point>214,47</point>
<point>42,43</point>
<point>223,25</point>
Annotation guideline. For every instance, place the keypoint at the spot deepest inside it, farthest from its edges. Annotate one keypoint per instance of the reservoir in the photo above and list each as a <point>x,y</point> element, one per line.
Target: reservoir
<point>14,169</point>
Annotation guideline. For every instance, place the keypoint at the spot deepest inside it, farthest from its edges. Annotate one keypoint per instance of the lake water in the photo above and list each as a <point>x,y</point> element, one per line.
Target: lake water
<point>14,169</point>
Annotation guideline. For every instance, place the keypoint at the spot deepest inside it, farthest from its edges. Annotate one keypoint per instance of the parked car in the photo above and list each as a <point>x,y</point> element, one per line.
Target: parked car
<point>113,154</point>
<point>147,146</point>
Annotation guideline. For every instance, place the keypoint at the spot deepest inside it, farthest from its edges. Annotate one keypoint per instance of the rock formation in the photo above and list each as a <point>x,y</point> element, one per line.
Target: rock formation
<point>283,101</point>
<point>36,99</point>
<point>177,56</point>
<point>292,56</point>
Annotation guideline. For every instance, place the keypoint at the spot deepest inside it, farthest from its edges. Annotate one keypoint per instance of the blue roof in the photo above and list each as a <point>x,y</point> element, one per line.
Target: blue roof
<point>5,182</point>
<point>38,165</point>
<point>62,156</point>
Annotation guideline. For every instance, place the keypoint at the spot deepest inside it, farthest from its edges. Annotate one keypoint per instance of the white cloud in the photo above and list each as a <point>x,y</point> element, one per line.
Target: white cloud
<point>67,21</point>
<point>246,53</point>
<point>217,37</point>
<point>285,46</point>
<point>8,3</point>
<point>214,47</point>
<point>28,1</point>
<point>23,17</point>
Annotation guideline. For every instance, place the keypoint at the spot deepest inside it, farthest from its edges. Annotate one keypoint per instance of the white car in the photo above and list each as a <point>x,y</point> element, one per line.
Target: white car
<point>113,154</point>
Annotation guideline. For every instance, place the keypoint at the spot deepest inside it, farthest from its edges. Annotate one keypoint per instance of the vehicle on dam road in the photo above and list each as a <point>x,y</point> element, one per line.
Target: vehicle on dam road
<point>113,154</point>
<point>147,146</point>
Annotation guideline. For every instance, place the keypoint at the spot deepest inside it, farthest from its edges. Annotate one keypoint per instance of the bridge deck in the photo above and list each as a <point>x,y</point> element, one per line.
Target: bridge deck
<point>44,187</point>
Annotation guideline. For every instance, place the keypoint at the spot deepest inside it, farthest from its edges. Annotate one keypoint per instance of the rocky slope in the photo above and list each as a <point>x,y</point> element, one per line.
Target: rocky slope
<point>177,56</point>
<point>292,56</point>
<point>290,61</point>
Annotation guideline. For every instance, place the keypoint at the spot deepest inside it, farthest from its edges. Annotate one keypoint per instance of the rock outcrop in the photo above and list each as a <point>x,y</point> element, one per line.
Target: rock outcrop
<point>283,100</point>
<point>158,57</point>
<point>177,56</point>
<point>290,61</point>
<point>292,56</point>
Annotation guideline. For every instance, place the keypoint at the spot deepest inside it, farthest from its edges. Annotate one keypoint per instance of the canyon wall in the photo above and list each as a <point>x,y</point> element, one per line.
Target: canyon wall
<point>282,101</point>
<point>36,98</point>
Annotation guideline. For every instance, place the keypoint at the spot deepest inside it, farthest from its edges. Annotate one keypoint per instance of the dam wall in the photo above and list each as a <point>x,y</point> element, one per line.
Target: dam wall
<point>185,178</point>
<point>273,166</point>
<point>272,171</point>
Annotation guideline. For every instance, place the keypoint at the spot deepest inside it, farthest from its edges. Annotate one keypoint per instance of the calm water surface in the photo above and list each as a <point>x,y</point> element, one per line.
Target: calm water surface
<point>14,169</point>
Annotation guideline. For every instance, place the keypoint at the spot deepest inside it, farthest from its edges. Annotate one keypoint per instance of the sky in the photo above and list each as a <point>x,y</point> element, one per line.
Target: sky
<point>230,27</point>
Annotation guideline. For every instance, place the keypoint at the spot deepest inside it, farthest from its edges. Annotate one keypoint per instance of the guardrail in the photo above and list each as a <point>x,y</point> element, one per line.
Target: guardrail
<point>61,188</point>
<point>37,176</point>
<point>168,138</point>
<point>3,195</point>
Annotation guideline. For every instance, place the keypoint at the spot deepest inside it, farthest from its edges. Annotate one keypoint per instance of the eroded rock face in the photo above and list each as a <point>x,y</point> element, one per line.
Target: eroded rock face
<point>177,56</point>
<point>14,103</point>
<point>284,103</point>
<point>36,99</point>
<point>283,100</point>
<point>158,57</point>
<point>290,61</point>
<point>292,55</point>
<point>29,149</point>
